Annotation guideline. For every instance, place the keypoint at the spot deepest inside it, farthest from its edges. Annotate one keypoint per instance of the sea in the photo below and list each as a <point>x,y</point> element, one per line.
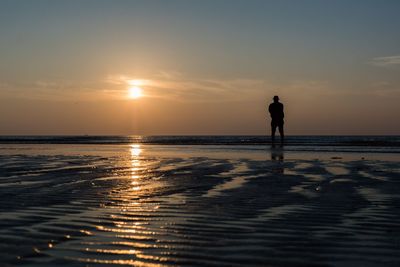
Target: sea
<point>325,143</point>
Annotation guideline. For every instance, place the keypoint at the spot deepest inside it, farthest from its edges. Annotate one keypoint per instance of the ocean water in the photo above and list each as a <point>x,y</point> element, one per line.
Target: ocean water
<point>378,144</point>
<point>351,140</point>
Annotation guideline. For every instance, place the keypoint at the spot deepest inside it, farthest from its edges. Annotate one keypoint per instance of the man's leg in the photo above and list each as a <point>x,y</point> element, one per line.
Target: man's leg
<point>281,132</point>
<point>273,130</point>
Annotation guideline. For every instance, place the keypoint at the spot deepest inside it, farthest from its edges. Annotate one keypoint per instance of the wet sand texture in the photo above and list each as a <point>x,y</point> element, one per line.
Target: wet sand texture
<point>147,211</point>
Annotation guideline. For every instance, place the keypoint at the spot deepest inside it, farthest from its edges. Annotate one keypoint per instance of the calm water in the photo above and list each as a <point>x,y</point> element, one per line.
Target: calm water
<point>382,144</point>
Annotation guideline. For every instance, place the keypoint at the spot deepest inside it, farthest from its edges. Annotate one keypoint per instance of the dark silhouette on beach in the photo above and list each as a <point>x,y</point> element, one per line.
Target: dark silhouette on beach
<point>277,115</point>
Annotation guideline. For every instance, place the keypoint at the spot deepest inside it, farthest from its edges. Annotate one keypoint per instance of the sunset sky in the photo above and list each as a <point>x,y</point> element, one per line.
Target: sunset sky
<point>198,67</point>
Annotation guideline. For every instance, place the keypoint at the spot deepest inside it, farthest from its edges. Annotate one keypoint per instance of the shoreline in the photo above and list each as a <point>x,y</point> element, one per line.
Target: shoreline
<point>218,151</point>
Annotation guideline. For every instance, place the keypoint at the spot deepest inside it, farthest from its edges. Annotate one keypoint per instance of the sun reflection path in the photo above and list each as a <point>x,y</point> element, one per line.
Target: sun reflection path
<point>135,153</point>
<point>135,164</point>
<point>127,226</point>
<point>135,150</point>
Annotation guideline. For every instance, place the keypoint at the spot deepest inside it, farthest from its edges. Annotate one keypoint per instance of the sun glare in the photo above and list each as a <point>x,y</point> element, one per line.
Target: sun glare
<point>135,92</point>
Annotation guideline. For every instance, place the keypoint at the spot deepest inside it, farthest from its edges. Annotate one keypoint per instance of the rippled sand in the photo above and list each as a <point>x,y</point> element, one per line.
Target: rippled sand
<point>171,207</point>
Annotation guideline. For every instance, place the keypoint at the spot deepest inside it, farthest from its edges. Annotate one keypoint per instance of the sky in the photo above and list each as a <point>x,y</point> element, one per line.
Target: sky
<point>203,67</point>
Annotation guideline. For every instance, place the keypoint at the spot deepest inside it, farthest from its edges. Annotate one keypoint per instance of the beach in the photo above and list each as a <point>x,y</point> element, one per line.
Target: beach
<point>199,133</point>
<point>143,204</point>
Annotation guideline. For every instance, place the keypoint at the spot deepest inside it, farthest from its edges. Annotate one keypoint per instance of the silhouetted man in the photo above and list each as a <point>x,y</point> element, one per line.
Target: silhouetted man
<point>276,111</point>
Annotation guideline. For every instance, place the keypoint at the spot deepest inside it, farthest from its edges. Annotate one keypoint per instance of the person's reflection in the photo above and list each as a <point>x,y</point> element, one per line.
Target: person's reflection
<point>277,153</point>
<point>277,156</point>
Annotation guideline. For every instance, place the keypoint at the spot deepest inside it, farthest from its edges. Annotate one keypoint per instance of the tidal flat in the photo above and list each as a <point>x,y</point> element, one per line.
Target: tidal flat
<point>164,205</point>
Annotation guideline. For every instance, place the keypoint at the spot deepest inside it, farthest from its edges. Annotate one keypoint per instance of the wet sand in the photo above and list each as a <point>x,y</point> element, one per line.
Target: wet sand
<point>166,205</point>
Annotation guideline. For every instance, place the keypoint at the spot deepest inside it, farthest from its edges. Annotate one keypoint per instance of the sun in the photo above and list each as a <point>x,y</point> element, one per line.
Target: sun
<point>135,92</point>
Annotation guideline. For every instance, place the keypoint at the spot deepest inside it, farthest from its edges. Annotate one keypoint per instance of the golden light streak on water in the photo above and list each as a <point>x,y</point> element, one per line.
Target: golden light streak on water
<point>114,251</point>
<point>120,262</point>
<point>135,150</point>
<point>86,232</point>
<point>124,225</point>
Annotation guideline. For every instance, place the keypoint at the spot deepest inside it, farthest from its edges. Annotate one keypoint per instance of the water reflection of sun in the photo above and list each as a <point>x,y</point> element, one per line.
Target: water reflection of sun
<point>135,165</point>
<point>135,150</point>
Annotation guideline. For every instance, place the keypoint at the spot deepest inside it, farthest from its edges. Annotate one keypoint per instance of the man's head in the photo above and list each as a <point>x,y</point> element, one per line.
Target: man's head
<point>276,98</point>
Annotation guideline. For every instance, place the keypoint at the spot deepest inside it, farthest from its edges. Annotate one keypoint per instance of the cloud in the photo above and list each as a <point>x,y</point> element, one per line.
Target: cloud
<point>174,85</point>
<point>163,85</point>
<point>208,89</point>
<point>54,90</point>
<point>385,61</point>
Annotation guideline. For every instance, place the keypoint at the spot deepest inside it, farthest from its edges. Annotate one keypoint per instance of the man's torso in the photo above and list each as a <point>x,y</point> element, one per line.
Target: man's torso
<point>276,111</point>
